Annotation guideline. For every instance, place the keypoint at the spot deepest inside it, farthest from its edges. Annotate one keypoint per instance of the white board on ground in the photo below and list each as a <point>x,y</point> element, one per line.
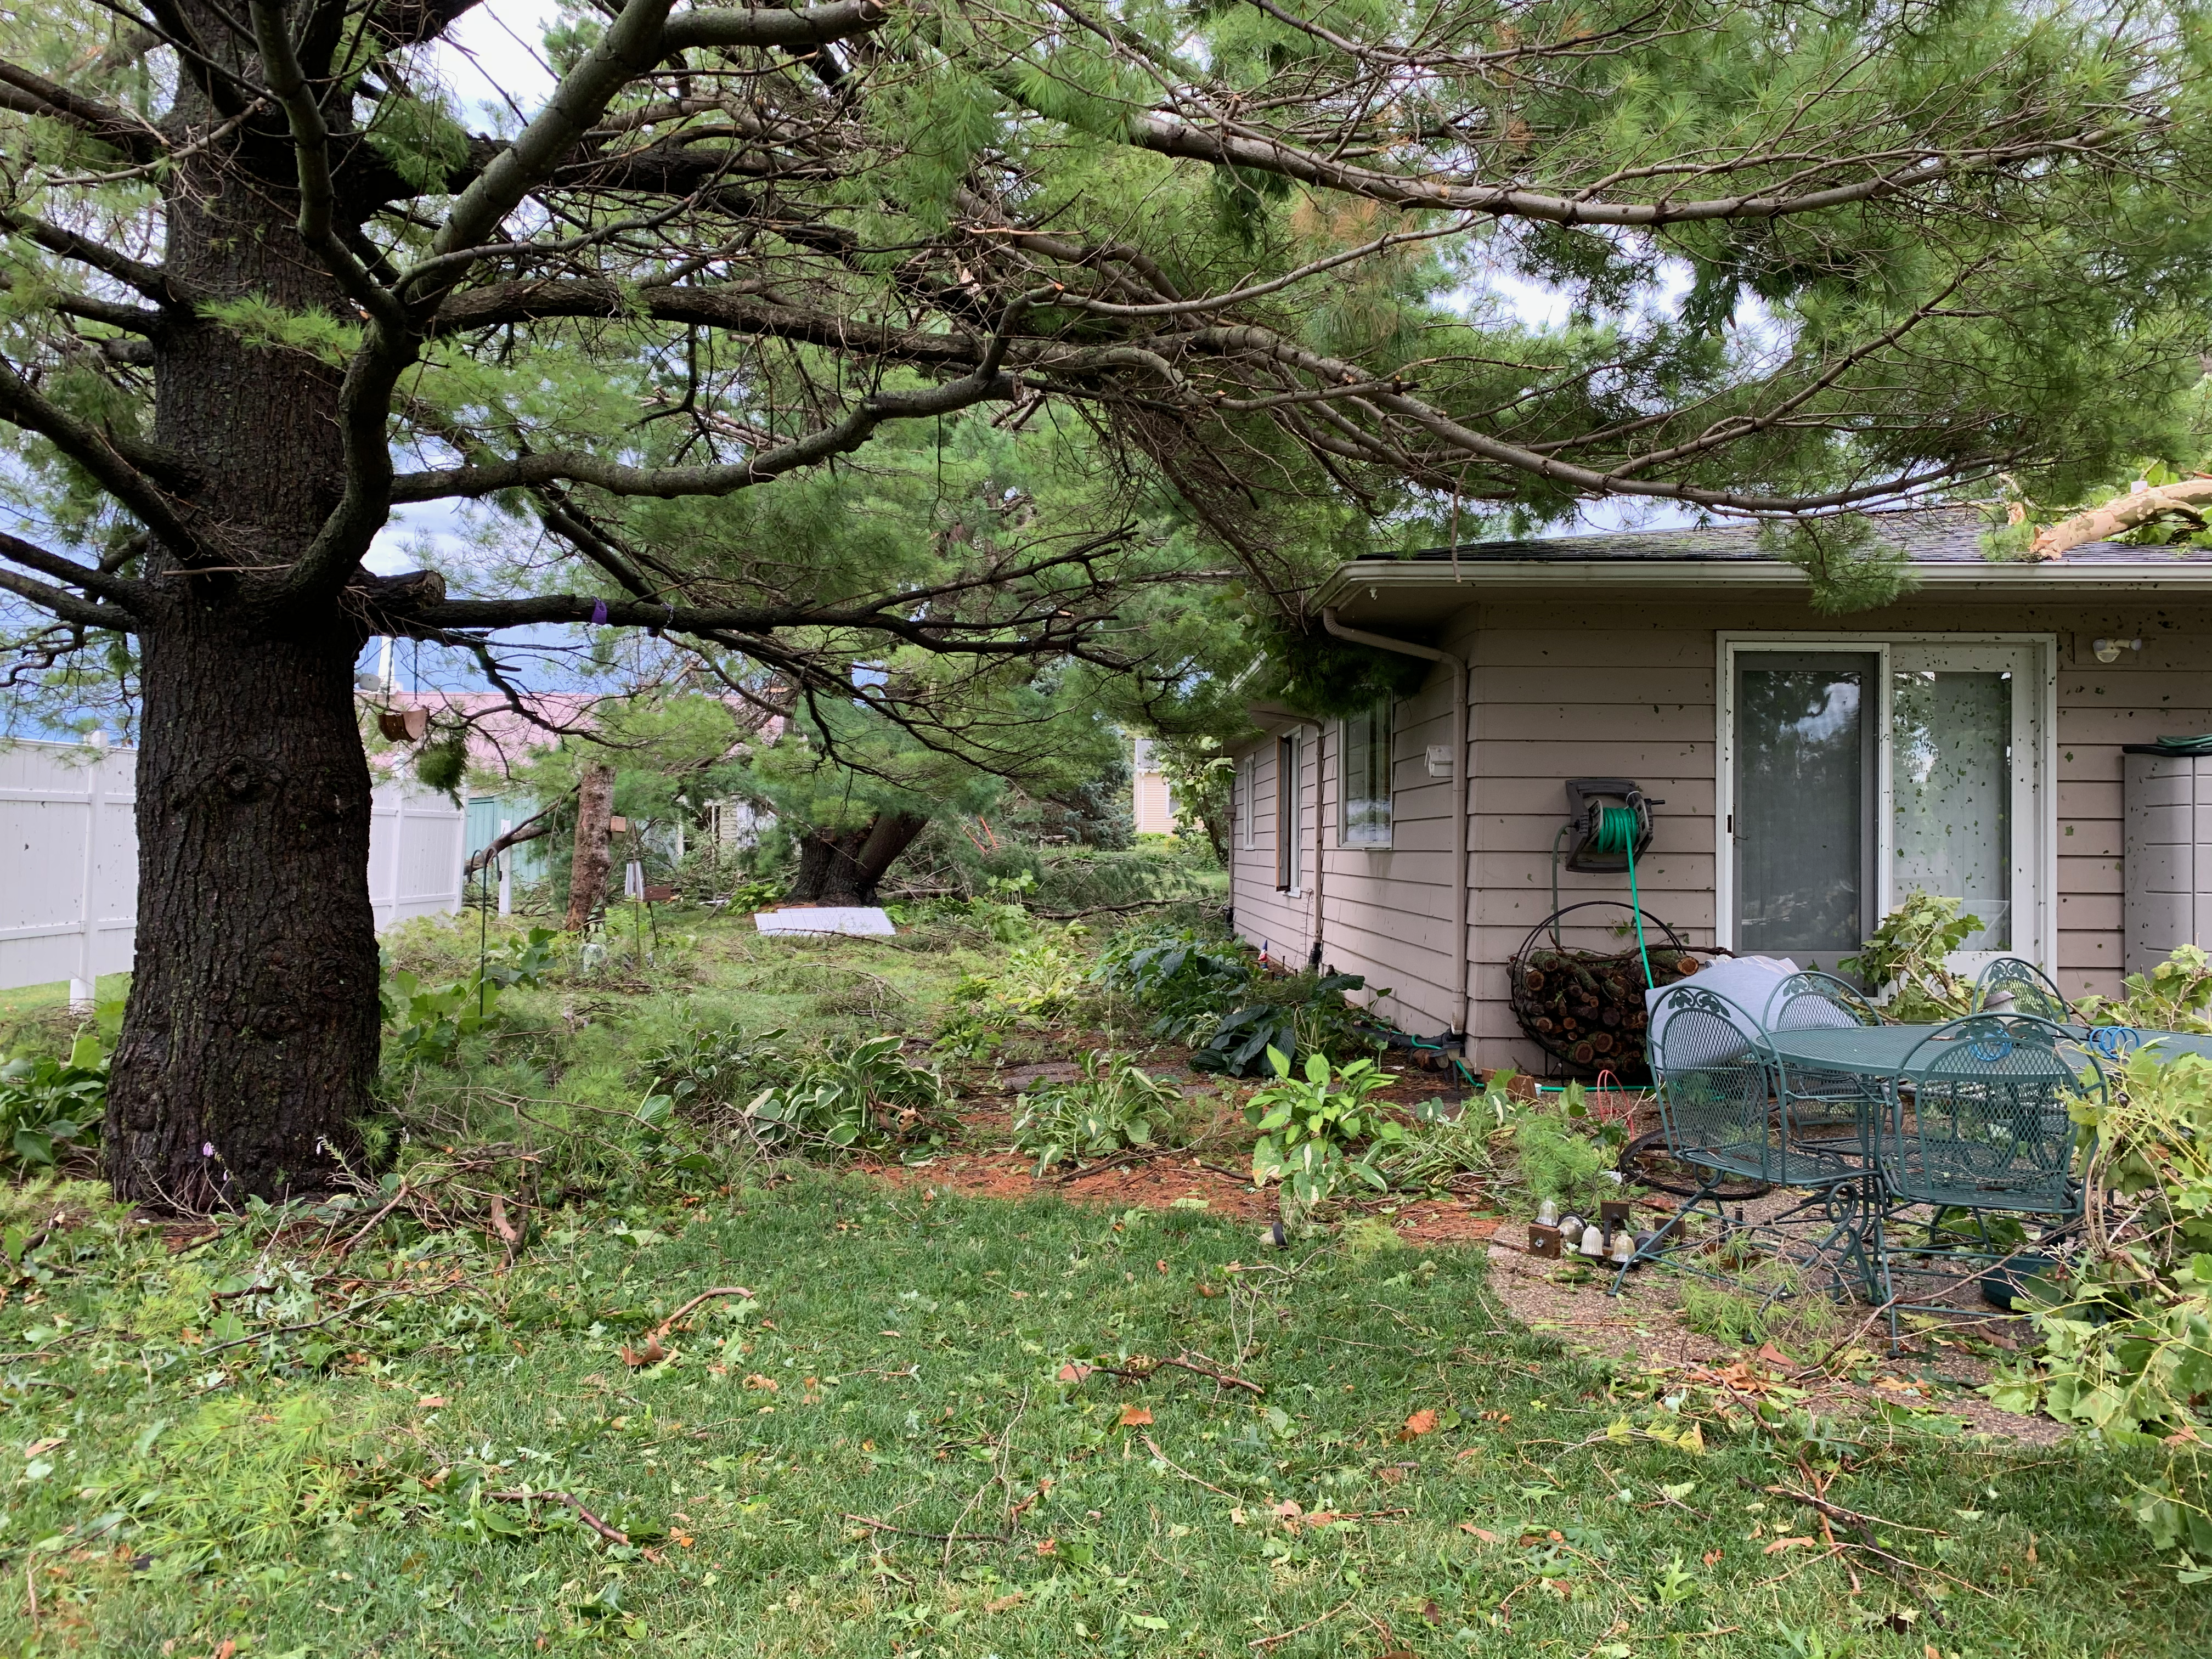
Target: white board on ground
<point>866,920</point>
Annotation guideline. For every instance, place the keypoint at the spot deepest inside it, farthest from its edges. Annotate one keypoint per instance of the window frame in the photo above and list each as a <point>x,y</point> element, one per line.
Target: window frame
<point>1289,812</point>
<point>1381,717</point>
<point>2035,778</point>
<point>1247,771</point>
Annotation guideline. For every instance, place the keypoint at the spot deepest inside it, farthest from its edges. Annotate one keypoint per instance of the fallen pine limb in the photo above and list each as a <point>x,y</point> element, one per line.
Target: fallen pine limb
<point>613,1535</point>
<point>2123,513</point>
<point>1269,1641</point>
<point>874,1525</point>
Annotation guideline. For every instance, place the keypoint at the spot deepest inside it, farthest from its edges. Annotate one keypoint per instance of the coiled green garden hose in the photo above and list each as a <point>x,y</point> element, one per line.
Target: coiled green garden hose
<point>1615,832</point>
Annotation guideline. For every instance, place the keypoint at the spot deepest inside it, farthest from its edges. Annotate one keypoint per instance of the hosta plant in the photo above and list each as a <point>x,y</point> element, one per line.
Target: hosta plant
<point>1112,1106</point>
<point>869,1097</point>
<point>1319,1130</point>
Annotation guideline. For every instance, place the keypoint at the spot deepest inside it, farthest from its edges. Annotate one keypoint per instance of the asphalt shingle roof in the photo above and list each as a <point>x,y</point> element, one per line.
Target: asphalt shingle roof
<point>1949,535</point>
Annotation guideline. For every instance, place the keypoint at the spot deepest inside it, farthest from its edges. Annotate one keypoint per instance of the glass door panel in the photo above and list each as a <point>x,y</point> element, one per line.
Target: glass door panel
<point>1951,781</point>
<point>1806,740</point>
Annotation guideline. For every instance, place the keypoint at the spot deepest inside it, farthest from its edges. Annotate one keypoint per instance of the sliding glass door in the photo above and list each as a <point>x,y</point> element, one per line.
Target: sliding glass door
<point>1805,786</point>
<point>1855,777</point>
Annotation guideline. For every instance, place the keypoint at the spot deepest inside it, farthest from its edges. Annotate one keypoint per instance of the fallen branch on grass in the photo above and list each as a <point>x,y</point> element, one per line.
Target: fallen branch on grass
<point>668,1324</point>
<point>1142,1368</point>
<point>874,1525</point>
<point>1266,1642</point>
<point>1117,910</point>
<point>613,1535</point>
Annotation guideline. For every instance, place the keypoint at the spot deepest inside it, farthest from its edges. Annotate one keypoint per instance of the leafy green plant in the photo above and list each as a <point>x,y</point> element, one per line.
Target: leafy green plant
<point>428,1023</point>
<point>1113,1105</point>
<point>871,1096</point>
<point>706,1066</point>
<point>47,1103</point>
<point>2126,1323</point>
<point>1905,957</point>
<point>2175,996</point>
<point>1319,1131</point>
<point>1440,1152</point>
<point>1039,981</point>
<point>1299,1014</point>
<point>1186,980</point>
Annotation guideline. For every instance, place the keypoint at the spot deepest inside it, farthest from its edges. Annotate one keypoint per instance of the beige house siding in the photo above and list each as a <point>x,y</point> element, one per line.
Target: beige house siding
<point>1152,804</point>
<point>1564,686</point>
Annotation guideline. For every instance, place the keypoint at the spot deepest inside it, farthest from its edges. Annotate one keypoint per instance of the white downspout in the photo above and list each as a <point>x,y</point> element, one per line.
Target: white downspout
<point>1462,696</point>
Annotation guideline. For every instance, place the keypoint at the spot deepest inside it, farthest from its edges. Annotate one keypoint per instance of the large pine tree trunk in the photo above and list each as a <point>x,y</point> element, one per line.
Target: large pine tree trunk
<point>845,866</point>
<point>249,1044</point>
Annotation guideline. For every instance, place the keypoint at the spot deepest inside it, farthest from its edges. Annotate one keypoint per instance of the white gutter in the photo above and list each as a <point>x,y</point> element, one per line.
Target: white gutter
<point>1462,698</point>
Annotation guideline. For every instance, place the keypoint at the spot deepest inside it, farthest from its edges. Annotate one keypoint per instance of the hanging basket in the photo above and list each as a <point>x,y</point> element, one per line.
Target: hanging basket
<point>1585,1008</point>
<point>403,725</point>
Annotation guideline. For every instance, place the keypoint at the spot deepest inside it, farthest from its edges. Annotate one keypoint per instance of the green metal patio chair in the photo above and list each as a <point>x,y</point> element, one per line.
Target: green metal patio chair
<point>1980,1126</point>
<point>1824,1106</point>
<point>1722,1112</point>
<point>2011,986</point>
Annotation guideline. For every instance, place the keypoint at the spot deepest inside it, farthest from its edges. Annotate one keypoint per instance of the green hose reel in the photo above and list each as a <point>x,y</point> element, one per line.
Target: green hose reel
<point>1610,819</point>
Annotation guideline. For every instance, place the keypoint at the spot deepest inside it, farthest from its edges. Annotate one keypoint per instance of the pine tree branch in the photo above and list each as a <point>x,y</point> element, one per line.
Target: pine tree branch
<point>28,92</point>
<point>121,589</point>
<point>149,280</point>
<point>82,613</point>
<point>122,466</point>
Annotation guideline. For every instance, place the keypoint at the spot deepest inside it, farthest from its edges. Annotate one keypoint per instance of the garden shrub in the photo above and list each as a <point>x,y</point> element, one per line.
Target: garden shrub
<point>1112,1106</point>
<point>869,1097</point>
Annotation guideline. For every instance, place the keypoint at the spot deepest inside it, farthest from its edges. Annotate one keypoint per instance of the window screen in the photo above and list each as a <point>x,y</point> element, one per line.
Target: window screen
<point>1286,812</point>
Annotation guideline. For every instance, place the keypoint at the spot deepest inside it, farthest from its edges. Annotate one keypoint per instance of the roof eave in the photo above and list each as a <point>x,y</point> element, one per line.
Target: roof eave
<point>1643,575</point>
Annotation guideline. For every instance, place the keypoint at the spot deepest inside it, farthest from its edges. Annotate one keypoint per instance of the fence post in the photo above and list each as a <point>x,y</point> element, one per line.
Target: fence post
<point>84,991</point>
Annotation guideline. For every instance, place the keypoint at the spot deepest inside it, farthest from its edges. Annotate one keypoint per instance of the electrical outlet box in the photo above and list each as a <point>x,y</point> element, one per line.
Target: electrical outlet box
<point>1440,760</point>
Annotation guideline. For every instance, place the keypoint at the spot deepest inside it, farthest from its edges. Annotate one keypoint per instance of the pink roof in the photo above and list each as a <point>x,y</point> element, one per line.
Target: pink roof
<point>500,736</point>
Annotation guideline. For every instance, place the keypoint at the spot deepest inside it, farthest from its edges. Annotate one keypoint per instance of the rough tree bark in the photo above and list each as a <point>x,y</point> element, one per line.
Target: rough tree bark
<point>253,1002</point>
<point>845,866</point>
<point>594,856</point>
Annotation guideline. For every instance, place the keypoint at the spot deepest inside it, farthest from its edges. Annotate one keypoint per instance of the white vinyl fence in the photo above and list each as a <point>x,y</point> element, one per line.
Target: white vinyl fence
<point>68,861</point>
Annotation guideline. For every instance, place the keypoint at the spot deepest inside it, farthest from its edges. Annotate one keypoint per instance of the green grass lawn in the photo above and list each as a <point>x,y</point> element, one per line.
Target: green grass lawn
<point>258,1437</point>
<point>902,1367</point>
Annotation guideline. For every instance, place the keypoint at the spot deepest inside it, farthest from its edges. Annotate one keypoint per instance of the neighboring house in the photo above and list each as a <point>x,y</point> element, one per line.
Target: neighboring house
<point>1152,802</point>
<point>500,739</point>
<point>1966,740</point>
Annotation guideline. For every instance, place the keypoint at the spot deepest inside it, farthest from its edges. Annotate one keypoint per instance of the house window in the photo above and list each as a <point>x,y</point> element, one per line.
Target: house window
<point>1863,772</point>
<point>1287,815</point>
<point>1245,770</point>
<point>1366,762</point>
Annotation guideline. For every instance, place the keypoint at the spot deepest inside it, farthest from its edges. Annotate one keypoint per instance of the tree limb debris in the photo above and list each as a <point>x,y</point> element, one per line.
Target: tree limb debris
<point>2125,512</point>
<point>1142,1368</point>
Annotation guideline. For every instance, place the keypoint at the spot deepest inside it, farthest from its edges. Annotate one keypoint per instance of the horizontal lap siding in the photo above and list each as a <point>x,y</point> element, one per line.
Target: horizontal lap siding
<point>1570,689</point>
<point>2167,687</point>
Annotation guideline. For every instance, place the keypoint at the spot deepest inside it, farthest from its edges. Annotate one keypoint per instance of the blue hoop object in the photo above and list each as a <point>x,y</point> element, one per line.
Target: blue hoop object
<point>1991,1048</point>
<point>2115,1041</point>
